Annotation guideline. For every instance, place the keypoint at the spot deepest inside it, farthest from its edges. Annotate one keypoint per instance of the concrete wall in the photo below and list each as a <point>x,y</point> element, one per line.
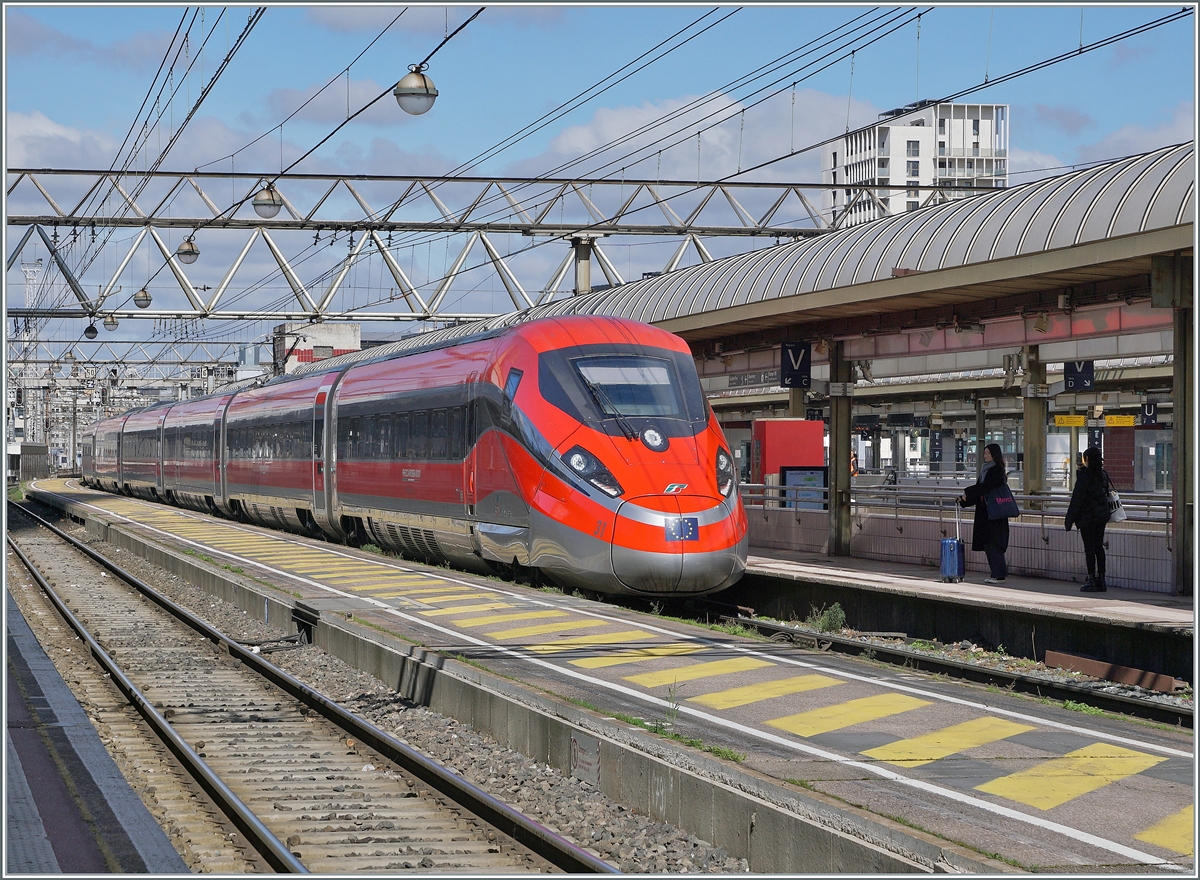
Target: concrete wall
<point>1138,558</point>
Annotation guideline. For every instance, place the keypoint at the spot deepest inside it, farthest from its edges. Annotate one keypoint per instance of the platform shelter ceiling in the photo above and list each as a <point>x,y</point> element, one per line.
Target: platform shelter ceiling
<point>1089,226</point>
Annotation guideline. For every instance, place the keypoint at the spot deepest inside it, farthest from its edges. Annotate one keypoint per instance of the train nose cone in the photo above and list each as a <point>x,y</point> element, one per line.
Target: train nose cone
<point>671,544</point>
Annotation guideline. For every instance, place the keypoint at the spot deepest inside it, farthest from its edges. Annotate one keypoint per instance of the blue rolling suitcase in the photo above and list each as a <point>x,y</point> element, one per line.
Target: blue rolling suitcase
<point>954,557</point>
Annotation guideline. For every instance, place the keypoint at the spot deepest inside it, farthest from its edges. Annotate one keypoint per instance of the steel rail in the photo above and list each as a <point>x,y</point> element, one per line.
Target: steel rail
<point>557,850</point>
<point>272,849</point>
<point>1135,706</point>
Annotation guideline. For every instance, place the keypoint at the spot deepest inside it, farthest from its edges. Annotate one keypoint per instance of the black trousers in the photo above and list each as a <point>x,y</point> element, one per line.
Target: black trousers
<point>1093,547</point>
<point>996,561</point>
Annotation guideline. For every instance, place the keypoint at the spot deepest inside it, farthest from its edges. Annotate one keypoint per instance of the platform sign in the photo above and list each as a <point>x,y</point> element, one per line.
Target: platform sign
<point>935,446</point>
<point>585,758</point>
<point>1095,437</point>
<point>1119,421</point>
<point>1079,375</point>
<point>1070,421</point>
<point>809,484</point>
<point>1149,413</point>
<point>795,365</point>
<point>814,415</point>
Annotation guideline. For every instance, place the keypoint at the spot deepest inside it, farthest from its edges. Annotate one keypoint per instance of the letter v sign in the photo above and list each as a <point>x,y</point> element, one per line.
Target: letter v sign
<point>795,365</point>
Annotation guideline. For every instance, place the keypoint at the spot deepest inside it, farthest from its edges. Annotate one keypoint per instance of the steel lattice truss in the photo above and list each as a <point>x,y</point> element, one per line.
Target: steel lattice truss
<point>383,223</point>
<point>33,363</point>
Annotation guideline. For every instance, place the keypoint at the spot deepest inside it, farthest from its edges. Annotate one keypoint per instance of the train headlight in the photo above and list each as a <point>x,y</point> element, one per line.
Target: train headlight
<point>725,481</point>
<point>587,466</point>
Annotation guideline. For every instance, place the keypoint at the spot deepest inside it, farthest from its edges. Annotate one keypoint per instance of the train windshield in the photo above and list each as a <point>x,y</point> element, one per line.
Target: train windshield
<point>630,385</point>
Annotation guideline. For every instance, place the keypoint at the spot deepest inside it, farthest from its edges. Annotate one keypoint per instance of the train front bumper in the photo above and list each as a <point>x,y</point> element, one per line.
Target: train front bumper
<point>679,545</point>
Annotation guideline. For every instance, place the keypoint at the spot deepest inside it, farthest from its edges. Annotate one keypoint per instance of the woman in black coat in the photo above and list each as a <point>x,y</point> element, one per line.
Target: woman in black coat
<point>989,535</point>
<point>1089,511</point>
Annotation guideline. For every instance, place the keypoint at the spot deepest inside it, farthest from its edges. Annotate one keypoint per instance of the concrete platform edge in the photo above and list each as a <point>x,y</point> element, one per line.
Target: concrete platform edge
<point>752,816</point>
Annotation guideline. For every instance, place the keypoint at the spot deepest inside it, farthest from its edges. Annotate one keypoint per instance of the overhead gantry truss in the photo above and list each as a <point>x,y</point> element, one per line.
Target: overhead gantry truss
<point>367,212</point>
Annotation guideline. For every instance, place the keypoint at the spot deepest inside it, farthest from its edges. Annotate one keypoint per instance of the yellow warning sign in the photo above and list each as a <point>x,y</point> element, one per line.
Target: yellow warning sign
<point>1119,421</point>
<point>1070,421</point>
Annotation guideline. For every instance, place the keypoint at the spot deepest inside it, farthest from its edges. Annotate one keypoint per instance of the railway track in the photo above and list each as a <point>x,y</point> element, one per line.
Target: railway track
<point>1135,706</point>
<point>266,771</point>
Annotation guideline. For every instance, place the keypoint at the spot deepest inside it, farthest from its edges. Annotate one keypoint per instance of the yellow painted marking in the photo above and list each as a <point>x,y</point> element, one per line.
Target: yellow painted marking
<point>929,747</point>
<point>698,670</point>
<point>1058,780</point>
<point>588,641</point>
<point>441,589</point>
<point>637,655</point>
<point>456,597</point>
<point>752,693</point>
<point>505,618</point>
<point>841,715</point>
<point>1173,833</point>
<point>487,606</point>
<point>521,632</point>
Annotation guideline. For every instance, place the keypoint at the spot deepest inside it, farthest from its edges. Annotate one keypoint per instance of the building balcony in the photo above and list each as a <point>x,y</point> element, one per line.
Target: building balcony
<point>964,152</point>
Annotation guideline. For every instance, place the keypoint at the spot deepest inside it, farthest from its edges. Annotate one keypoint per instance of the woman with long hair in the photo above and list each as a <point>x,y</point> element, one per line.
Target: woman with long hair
<point>989,535</point>
<point>1089,512</point>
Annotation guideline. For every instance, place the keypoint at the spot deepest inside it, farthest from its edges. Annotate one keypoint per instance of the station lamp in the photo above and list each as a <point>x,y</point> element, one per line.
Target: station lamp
<point>142,299</point>
<point>188,252</point>
<point>415,93</point>
<point>90,331</point>
<point>110,323</point>
<point>267,202</point>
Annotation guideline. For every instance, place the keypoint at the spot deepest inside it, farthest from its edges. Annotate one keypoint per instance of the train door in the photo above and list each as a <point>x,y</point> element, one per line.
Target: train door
<point>318,446</point>
<point>221,456</point>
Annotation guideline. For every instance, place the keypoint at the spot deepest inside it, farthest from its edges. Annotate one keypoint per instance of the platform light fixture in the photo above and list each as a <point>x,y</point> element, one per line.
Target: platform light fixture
<point>415,93</point>
<point>1042,323</point>
<point>90,331</point>
<point>142,299</point>
<point>267,202</point>
<point>188,252</point>
<point>110,323</point>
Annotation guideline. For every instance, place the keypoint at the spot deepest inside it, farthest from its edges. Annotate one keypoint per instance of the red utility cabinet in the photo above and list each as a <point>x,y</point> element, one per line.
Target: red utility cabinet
<point>777,443</point>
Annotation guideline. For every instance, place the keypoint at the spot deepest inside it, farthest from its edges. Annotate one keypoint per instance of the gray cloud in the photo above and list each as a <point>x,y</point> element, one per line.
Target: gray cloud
<point>27,36</point>
<point>1064,118</point>
<point>424,20</point>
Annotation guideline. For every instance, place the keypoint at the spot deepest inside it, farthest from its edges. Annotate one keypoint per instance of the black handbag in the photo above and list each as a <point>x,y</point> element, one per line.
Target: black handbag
<point>1000,503</point>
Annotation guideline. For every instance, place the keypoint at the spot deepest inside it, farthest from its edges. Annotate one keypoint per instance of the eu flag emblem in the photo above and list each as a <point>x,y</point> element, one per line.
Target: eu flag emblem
<point>685,528</point>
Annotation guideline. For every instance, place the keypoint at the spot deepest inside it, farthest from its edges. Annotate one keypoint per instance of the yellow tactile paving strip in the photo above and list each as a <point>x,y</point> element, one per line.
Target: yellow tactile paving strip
<point>1048,783</point>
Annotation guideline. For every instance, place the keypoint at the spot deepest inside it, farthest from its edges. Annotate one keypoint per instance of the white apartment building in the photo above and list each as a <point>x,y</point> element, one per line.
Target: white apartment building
<point>927,144</point>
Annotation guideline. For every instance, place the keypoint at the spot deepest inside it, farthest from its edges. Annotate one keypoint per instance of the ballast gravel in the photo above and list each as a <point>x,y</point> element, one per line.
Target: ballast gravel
<point>567,806</point>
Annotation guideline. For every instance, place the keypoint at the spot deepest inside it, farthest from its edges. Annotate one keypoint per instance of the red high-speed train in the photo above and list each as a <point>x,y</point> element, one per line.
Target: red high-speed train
<point>579,446</point>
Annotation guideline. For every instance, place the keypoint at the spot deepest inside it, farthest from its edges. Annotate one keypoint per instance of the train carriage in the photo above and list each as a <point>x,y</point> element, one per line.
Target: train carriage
<point>581,447</point>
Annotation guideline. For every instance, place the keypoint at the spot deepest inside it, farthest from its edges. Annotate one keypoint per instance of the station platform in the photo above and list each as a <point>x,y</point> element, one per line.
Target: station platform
<point>68,808</point>
<point>1027,615</point>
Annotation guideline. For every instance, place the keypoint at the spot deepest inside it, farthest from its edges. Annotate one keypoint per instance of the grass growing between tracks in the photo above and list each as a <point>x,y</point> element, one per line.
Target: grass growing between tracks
<point>16,492</point>
<point>908,823</point>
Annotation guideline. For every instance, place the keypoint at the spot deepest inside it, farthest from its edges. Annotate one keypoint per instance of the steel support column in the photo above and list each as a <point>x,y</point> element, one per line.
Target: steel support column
<point>1034,424</point>
<point>840,409</point>
<point>797,403</point>
<point>583,263</point>
<point>980,434</point>
<point>1171,286</point>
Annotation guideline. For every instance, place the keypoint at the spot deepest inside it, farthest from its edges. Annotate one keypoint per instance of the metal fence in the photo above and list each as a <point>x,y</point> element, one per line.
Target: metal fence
<point>905,522</point>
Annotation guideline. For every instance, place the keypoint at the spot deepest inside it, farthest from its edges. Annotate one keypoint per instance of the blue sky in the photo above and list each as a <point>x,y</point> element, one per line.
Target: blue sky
<point>75,76</point>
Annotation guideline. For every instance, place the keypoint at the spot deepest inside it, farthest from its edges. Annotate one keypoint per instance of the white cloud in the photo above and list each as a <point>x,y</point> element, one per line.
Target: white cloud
<point>1130,139</point>
<point>1064,118</point>
<point>1027,165</point>
<point>34,140</point>
<point>728,139</point>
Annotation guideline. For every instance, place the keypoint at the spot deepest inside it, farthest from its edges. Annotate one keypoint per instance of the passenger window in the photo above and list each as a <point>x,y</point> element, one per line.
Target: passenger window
<point>420,435</point>
<point>437,446</point>
<point>402,438</point>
